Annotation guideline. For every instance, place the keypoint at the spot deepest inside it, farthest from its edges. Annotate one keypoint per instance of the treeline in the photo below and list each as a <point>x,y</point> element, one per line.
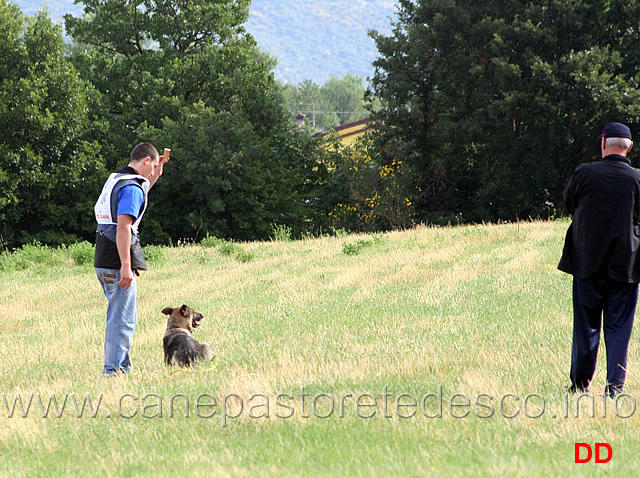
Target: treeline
<point>188,78</point>
<point>336,102</point>
<point>481,111</point>
<point>494,103</point>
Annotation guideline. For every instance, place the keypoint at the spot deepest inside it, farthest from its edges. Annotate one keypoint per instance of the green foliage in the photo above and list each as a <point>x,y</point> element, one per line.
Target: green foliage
<point>495,103</point>
<point>154,254</point>
<point>338,101</point>
<point>245,256</point>
<point>48,164</point>
<point>211,241</point>
<point>201,256</point>
<point>333,38</point>
<point>79,253</point>
<point>485,108</point>
<point>229,249</point>
<point>339,233</point>
<point>230,177</point>
<point>226,248</point>
<point>354,248</point>
<point>30,255</point>
<point>35,253</point>
<point>190,78</point>
<point>281,233</point>
<point>82,253</point>
<point>234,250</point>
<point>187,77</point>
<point>363,189</point>
<point>147,63</point>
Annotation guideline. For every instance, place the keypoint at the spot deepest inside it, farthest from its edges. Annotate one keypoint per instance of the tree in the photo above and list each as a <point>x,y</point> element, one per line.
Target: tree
<point>361,190</point>
<point>47,162</point>
<point>228,181</point>
<point>496,102</point>
<point>345,95</point>
<point>149,58</point>
<point>336,102</point>
<point>188,76</point>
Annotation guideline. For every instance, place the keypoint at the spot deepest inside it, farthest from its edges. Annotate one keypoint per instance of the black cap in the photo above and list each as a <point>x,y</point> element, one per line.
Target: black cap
<point>616,130</point>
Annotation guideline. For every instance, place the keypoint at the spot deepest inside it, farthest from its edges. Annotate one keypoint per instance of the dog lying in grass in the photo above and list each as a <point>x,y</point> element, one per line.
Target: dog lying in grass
<point>179,345</point>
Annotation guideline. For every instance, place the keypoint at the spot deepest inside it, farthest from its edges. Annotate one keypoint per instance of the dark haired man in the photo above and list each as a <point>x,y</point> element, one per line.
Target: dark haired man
<point>118,256</point>
<point>601,252</point>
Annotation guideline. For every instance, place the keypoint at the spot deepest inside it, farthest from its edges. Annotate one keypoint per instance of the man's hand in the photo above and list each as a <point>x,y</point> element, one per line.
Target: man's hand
<point>163,160</point>
<point>158,170</point>
<point>126,277</point>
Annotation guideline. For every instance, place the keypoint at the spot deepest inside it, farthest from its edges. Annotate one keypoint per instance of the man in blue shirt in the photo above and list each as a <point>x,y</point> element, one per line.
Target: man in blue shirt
<point>118,256</point>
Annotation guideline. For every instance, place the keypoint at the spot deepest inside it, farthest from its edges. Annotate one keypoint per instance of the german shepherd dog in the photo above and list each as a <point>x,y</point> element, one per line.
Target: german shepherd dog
<point>179,345</point>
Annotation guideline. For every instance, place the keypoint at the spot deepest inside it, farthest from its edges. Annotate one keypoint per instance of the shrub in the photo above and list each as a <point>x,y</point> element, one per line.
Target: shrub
<point>229,249</point>
<point>212,241</point>
<point>244,256</point>
<point>82,253</point>
<point>30,255</point>
<point>353,248</point>
<point>281,232</point>
<point>154,254</point>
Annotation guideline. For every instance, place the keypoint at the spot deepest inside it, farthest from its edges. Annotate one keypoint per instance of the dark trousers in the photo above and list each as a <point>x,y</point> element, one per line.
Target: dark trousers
<point>596,302</point>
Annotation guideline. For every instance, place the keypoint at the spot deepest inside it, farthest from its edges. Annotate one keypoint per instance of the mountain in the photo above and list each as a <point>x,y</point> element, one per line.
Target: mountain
<point>316,39</point>
<point>57,8</point>
<point>312,39</point>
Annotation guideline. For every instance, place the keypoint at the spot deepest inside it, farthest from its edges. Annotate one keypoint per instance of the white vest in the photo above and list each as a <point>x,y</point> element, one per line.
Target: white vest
<point>103,208</point>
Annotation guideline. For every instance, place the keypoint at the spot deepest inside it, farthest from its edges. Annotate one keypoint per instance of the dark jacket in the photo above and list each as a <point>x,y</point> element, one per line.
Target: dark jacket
<point>604,237</point>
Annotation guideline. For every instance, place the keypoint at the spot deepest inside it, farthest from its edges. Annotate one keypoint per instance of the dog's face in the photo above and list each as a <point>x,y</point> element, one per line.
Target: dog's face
<point>183,317</point>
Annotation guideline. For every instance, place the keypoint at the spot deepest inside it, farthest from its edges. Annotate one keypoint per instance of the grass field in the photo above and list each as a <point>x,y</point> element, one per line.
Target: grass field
<point>427,352</point>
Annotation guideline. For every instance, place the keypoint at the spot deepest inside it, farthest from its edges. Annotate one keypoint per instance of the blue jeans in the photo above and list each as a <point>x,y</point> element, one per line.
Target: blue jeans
<point>122,317</point>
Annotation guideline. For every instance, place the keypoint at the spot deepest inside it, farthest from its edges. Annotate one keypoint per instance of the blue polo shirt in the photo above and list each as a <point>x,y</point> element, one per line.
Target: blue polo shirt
<point>130,200</point>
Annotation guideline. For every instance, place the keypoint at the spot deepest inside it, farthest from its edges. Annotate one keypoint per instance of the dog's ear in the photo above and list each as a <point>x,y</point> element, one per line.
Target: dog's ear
<point>184,310</point>
<point>167,310</point>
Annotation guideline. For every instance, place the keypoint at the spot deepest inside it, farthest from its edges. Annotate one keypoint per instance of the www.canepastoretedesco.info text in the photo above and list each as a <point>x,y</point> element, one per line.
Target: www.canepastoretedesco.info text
<point>302,404</point>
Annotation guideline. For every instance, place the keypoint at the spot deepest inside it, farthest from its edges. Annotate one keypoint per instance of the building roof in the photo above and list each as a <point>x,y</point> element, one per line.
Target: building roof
<point>349,131</point>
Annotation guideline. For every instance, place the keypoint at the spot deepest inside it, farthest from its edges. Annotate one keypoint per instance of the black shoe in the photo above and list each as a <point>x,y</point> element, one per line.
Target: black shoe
<point>613,390</point>
<point>575,389</point>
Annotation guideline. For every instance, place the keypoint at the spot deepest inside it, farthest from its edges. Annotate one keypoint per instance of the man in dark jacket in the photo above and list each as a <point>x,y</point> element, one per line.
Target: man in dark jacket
<point>601,252</point>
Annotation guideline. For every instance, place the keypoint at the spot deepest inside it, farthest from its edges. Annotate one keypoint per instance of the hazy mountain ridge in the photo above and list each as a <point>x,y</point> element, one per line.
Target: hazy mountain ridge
<point>312,40</point>
<point>318,39</point>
